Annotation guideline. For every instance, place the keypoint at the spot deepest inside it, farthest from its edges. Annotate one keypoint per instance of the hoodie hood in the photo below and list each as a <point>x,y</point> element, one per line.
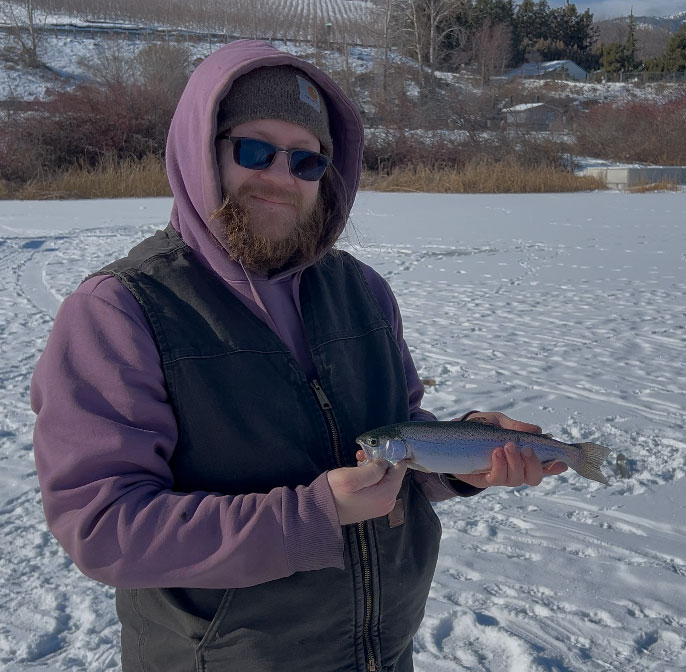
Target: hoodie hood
<point>191,159</point>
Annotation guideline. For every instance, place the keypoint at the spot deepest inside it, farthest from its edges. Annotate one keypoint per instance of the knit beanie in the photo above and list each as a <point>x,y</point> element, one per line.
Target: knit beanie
<point>277,92</point>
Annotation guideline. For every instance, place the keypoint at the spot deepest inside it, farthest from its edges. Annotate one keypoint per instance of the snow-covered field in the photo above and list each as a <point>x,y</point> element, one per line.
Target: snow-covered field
<point>565,310</point>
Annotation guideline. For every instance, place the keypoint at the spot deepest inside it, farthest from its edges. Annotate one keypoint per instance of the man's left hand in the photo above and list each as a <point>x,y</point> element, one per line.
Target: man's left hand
<point>511,467</point>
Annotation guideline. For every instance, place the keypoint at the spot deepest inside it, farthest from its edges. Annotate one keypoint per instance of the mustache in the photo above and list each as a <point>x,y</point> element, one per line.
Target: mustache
<point>269,193</point>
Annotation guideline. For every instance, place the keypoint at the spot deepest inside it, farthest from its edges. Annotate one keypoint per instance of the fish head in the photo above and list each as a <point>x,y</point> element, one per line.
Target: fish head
<point>380,444</point>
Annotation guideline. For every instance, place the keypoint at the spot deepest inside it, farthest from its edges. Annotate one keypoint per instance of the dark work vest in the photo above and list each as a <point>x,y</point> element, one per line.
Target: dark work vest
<point>249,421</point>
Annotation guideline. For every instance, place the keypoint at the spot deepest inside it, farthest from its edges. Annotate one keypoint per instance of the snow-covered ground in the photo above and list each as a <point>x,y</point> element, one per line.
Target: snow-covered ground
<point>565,310</point>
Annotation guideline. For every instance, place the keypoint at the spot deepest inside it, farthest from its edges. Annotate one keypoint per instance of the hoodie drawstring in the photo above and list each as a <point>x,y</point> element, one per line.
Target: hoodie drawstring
<point>258,301</point>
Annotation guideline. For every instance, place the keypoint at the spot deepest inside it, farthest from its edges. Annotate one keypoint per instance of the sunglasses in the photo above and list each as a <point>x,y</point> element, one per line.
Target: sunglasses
<point>259,155</point>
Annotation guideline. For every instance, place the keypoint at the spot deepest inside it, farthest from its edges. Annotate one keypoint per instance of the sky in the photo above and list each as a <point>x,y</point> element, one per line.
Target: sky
<point>605,9</point>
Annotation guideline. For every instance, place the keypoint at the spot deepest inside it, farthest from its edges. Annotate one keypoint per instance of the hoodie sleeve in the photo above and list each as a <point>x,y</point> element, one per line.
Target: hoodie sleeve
<point>437,487</point>
<point>104,434</point>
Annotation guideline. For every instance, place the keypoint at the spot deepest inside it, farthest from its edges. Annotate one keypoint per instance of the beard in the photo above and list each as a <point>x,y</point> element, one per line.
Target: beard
<point>301,241</point>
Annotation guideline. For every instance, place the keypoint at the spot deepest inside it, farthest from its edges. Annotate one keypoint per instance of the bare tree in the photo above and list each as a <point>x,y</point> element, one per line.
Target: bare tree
<point>427,25</point>
<point>24,29</point>
<point>416,33</point>
<point>111,66</point>
<point>439,13</point>
<point>385,30</point>
<point>491,49</point>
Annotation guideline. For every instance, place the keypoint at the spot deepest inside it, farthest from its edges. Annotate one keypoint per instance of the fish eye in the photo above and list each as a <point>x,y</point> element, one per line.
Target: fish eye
<point>373,442</point>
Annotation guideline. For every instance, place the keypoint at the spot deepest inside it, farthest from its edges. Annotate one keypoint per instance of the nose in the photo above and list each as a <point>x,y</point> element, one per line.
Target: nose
<point>278,172</point>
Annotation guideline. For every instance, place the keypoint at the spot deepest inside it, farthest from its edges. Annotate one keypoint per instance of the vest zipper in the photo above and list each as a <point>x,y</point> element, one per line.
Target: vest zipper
<point>327,410</point>
<point>367,583</point>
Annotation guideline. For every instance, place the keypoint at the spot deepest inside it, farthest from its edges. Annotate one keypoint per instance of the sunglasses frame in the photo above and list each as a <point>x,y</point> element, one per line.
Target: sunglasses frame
<point>276,150</point>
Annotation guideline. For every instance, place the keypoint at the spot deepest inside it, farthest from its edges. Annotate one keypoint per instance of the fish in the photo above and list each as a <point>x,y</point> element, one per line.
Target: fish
<point>462,447</point>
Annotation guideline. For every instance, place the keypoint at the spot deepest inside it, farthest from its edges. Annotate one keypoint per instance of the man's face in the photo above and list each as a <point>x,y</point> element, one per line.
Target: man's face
<point>271,219</point>
<point>272,198</point>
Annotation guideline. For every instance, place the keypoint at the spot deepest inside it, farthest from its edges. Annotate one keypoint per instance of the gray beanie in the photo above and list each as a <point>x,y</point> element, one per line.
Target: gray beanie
<point>277,92</point>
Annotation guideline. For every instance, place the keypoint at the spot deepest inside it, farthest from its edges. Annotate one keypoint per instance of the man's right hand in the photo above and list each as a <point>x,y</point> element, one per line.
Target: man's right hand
<point>367,491</point>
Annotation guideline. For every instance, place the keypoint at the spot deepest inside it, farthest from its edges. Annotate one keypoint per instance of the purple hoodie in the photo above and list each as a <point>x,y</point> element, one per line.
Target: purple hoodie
<point>105,431</point>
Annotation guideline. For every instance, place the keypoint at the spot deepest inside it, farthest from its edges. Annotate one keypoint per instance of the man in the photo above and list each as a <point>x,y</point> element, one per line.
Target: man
<point>198,402</point>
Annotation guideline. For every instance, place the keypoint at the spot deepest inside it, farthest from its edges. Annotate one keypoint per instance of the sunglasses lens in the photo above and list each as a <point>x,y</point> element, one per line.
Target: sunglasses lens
<point>253,154</point>
<point>308,166</point>
<point>259,155</point>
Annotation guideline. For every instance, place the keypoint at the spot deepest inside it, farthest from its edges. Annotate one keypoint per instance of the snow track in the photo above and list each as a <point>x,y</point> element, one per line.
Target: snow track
<point>566,310</point>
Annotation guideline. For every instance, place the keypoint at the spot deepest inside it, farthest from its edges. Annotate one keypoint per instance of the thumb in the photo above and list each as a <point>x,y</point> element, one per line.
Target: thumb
<point>352,479</point>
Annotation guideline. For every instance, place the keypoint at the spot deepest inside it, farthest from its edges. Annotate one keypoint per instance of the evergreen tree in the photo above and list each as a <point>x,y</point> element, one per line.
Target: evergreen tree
<point>494,11</point>
<point>674,59</point>
<point>631,63</point>
<point>616,58</point>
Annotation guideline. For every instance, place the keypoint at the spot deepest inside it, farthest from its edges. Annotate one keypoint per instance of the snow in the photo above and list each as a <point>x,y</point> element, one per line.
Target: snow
<point>564,310</point>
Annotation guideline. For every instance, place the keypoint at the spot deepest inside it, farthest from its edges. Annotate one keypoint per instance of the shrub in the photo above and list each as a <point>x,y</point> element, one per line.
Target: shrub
<point>125,111</point>
<point>650,132</point>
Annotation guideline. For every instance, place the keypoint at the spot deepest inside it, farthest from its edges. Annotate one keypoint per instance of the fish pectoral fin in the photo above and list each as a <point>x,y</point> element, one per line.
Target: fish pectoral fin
<point>418,467</point>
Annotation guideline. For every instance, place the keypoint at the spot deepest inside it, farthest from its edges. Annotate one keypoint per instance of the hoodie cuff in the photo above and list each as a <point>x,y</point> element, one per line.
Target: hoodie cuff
<point>313,536</point>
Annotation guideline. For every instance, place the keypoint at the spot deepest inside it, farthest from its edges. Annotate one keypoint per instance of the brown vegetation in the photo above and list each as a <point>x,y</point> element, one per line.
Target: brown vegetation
<point>110,178</point>
<point>122,178</point>
<point>480,176</point>
<point>649,132</point>
<point>663,185</point>
<point>124,111</point>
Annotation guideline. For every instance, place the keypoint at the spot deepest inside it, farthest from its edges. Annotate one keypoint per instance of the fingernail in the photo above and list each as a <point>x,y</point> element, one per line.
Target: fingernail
<point>527,451</point>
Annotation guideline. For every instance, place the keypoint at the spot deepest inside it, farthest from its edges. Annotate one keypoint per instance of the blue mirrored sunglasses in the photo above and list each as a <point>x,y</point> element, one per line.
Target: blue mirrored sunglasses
<point>259,155</point>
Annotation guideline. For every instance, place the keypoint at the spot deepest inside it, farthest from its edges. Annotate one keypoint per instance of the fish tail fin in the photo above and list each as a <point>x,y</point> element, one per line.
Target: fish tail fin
<point>593,455</point>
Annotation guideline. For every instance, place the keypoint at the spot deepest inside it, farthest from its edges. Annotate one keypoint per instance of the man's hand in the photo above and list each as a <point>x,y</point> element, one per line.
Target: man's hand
<point>367,491</point>
<point>510,466</point>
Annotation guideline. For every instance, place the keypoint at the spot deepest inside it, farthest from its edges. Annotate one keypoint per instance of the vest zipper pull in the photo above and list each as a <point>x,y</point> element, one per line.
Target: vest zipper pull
<point>321,395</point>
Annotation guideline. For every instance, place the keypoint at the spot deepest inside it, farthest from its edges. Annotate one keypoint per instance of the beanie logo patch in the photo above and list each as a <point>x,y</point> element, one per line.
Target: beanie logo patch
<point>309,94</point>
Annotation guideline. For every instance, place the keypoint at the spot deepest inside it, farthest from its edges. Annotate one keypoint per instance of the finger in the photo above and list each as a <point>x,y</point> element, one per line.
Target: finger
<point>366,475</point>
<point>533,470</point>
<point>554,469</point>
<point>517,425</point>
<point>498,473</point>
<point>515,465</point>
<point>394,476</point>
<point>520,426</point>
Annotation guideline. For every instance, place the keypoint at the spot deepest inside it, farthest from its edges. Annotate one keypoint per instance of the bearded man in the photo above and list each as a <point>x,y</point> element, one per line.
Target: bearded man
<point>198,402</point>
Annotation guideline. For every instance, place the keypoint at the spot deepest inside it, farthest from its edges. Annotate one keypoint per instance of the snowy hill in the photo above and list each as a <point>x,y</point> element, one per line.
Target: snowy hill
<point>669,23</point>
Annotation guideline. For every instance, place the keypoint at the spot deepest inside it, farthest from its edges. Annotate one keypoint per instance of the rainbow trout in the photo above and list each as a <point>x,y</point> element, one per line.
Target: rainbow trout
<point>457,447</point>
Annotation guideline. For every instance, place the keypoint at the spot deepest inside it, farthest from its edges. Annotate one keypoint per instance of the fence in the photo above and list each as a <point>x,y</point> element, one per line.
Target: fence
<point>640,77</point>
<point>150,34</point>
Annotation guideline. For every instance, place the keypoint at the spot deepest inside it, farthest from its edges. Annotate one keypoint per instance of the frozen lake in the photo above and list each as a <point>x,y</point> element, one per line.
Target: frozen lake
<point>564,310</point>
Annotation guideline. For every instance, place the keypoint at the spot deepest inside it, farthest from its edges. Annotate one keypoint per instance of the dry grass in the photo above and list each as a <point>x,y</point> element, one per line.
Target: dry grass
<point>480,177</point>
<point>138,179</point>
<point>112,178</point>
<point>664,185</point>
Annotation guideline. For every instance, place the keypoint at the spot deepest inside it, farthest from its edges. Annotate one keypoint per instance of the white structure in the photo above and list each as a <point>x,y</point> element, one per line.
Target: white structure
<point>550,69</point>
<point>626,177</point>
<point>537,116</point>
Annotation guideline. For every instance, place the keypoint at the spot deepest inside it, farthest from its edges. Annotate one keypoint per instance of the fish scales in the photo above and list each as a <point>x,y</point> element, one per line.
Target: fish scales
<point>462,447</point>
